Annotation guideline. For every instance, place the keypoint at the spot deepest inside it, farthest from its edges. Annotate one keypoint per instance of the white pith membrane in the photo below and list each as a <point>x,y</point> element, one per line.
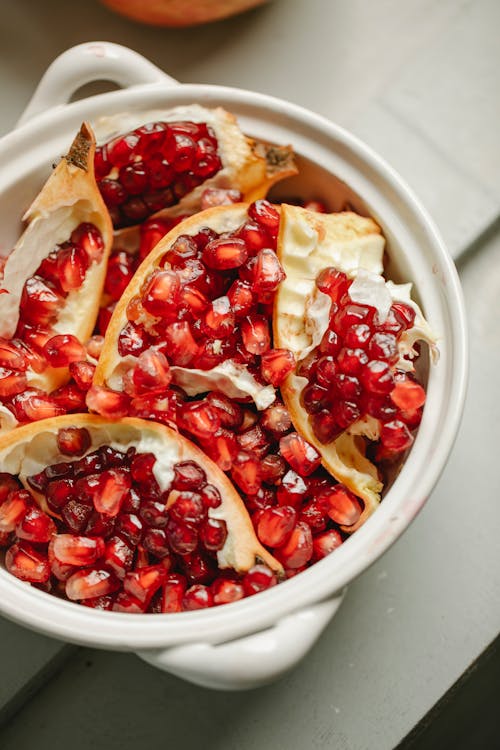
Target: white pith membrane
<point>230,378</point>
<point>69,198</point>
<point>354,245</point>
<point>31,448</point>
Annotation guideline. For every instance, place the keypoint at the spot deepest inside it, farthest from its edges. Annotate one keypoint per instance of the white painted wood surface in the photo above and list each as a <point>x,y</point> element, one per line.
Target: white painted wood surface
<point>418,81</point>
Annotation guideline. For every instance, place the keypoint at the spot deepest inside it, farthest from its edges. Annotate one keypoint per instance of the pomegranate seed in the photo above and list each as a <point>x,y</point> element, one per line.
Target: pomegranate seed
<point>404,313</point>
<point>219,197</point>
<point>8,484</point>
<point>377,377</point>
<point>264,498</point>
<point>299,454</point>
<point>229,412</point>
<point>151,373</point>
<point>182,538</point>
<point>82,373</point>
<point>213,534</point>
<point>254,236</point>
<point>276,364</point>
<point>134,178</point>
<point>129,526</point>
<point>126,603</point>
<point>352,361</point>
<point>107,402</point>
<point>35,526</point>
<point>76,515</point>
<point>276,524</point>
<point>246,472</point>
<point>152,232</point>
<point>89,584</point>
<point>197,597</point>
<point>100,602</point>
<point>155,541</point>
<point>223,254</point>
<point>112,488</point>
<point>259,578</point>
<point>60,350</point>
<point>133,340</point>
<point>72,264</point>
<point>39,303</point>
<point>143,583</point>
<point>357,336</point>
<point>225,591</point>
<point>59,493</point>
<point>347,387</point>
<point>272,469</point>
<point>188,508</point>
<point>32,352</point>
<point>120,270</point>
<point>94,347</point>
<point>119,556</point>
<point>292,490</point>
<point>394,436</point>
<point>383,346</point>
<point>172,593</point>
<point>266,273</point>
<point>122,150</point>
<point>199,418</point>
<point>188,475</point>
<point>182,248</point>
<point>241,297</point>
<point>69,398</point>
<point>255,334</point>
<point>326,370</point>
<point>333,282</point>
<point>76,550</point>
<point>408,395</point>
<point>314,516</point>
<point>27,563</point>
<point>180,344</point>
<point>340,504</point>
<point>89,238</point>
<point>11,358</point>
<point>266,215</point>
<point>345,413</point>
<point>254,441</point>
<point>210,496</point>
<point>222,448</point>
<point>199,568</point>
<point>325,427</point>
<point>324,544</point>
<point>13,510</point>
<point>161,294</point>
<point>218,320</point>
<point>298,549</point>
<point>330,343</point>
<point>276,419</point>
<point>99,525</point>
<point>12,382</point>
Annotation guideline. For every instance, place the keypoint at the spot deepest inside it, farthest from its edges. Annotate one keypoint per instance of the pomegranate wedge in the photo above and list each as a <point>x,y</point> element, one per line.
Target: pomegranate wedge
<point>52,280</point>
<point>182,319</point>
<point>138,486</point>
<point>163,162</point>
<point>352,334</point>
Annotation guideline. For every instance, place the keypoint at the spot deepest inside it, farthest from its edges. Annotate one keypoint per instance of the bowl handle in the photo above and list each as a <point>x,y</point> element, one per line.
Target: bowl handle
<point>253,660</point>
<point>92,61</point>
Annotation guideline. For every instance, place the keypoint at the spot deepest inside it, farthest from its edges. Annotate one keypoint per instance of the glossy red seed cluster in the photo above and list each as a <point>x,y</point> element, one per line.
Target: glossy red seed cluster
<point>354,372</point>
<point>36,345</point>
<point>153,167</point>
<point>114,543</point>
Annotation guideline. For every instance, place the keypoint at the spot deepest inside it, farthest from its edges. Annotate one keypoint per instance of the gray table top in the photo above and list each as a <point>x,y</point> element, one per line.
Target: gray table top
<point>418,81</point>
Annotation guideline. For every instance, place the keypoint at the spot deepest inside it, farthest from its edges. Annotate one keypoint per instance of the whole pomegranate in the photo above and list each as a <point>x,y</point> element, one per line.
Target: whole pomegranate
<point>180,12</point>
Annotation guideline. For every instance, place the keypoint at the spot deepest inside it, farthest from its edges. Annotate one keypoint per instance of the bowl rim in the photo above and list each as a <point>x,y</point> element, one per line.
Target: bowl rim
<point>75,623</point>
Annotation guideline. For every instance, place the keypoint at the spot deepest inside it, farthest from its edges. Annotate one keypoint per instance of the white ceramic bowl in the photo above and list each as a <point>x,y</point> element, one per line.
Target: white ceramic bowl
<point>255,640</point>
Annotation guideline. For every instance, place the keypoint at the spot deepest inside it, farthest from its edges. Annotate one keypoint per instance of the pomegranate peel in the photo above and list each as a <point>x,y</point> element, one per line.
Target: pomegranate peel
<point>29,449</point>
<point>68,199</point>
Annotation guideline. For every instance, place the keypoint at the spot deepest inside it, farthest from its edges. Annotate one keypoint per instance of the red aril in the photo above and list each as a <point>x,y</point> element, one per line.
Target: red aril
<point>218,319</point>
<point>126,603</point>
<point>292,490</point>
<point>160,297</point>
<point>35,526</point>
<point>276,524</point>
<point>197,597</point>
<point>151,373</point>
<point>188,508</point>
<point>182,537</point>
<point>408,395</point>
<point>82,373</point>
<point>225,591</point>
<point>89,584</point>
<point>11,357</point>
<point>12,382</point>
<point>121,266</point>
<point>172,593</point>
<point>198,418</point>
<point>13,509</point>
<point>180,344</point>
<point>143,583</point>
<point>223,254</point>
<point>259,578</point>
<point>241,297</point>
<point>8,484</point>
<point>213,534</point>
<point>246,472</point>
<point>89,238</point>
<point>83,551</point>
<point>266,216</point>
<point>72,264</point>
<point>395,436</point>
<point>333,282</point>
<point>106,402</point>
<point>255,334</point>
<point>152,232</point>
<point>276,364</point>
<point>26,563</point>
<point>188,475</point>
<point>299,454</point>
<point>111,491</point>
<point>39,303</point>
<point>62,349</point>
<point>298,549</point>
<point>324,544</point>
<point>340,504</point>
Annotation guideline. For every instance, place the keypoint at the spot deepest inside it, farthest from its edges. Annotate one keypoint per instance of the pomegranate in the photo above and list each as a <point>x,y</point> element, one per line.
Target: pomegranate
<point>178,12</point>
<point>352,334</point>
<point>53,298</point>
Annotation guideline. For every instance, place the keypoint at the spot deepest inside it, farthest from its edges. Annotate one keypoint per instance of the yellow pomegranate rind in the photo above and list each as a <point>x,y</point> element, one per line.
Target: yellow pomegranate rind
<point>248,165</point>
<point>307,243</point>
<point>29,449</point>
<point>112,366</point>
<point>68,198</point>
